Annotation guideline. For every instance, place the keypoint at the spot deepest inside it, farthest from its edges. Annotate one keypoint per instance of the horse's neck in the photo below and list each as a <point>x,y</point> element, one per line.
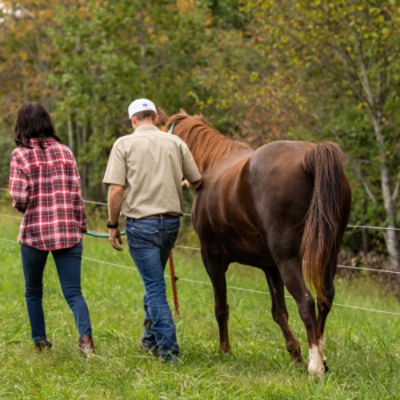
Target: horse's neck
<point>208,146</point>
<point>223,160</point>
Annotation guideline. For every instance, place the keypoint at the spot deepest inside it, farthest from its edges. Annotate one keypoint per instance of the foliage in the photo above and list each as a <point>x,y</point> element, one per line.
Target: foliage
<point>259,70</point>
<point>346,52</point>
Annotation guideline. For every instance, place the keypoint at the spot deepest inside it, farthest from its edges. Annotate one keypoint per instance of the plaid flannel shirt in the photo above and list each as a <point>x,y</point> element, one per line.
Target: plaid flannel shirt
<point>47,181</point>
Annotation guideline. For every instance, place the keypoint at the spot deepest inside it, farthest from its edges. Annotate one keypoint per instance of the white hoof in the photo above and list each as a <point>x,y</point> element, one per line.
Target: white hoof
<point>315,364</point>
<point>322,348</point>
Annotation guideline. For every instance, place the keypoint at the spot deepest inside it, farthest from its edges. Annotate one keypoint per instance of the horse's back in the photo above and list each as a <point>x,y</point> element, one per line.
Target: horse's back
<point>251,205</point>
<point>280,187</point>
<point>242,199</point>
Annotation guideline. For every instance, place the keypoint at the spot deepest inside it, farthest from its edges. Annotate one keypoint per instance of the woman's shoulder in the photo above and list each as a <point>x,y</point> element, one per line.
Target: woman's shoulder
<point>63,148</point>
<point>19,152</point>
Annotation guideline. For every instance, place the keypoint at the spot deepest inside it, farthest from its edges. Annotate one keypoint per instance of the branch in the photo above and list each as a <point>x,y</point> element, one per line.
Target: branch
<point>358,172</point>
<point>362,179</point>
<point>396,189</point>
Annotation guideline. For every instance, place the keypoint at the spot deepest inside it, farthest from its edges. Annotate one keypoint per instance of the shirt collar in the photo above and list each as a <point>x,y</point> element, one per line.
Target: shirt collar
<point>45,141</point>
<point>146,128</point>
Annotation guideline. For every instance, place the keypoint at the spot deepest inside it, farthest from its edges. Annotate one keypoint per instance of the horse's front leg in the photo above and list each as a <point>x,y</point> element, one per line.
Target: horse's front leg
<point>216,267</point>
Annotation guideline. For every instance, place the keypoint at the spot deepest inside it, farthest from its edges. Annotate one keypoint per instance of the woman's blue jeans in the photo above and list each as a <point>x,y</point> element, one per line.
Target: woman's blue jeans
<point>68,263</point>
<point>150,242</point>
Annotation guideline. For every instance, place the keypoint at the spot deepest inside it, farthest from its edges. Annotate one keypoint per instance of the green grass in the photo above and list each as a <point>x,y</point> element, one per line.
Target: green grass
<point>362,347</point>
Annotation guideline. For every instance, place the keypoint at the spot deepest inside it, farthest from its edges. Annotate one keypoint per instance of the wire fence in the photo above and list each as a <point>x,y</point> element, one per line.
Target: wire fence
<point>350,267</point>
<point>385,271</point>
<point>199,282</point>
<point>100,203</point>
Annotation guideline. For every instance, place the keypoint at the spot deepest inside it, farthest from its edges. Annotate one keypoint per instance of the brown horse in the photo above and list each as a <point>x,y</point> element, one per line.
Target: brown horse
<point>282,208</point>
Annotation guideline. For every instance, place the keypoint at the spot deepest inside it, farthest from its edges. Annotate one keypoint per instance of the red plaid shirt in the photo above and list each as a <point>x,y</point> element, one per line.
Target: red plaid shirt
<point>48,181</point>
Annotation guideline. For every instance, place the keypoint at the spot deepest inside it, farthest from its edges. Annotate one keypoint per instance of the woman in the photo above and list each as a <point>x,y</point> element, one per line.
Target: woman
<point>45,186</point>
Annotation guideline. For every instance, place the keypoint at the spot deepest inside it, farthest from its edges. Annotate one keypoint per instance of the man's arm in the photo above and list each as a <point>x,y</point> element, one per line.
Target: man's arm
<point>115,198</point>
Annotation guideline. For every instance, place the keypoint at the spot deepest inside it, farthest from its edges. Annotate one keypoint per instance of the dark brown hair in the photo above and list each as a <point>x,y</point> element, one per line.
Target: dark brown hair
<point>140,116</point>
<point>33,121</point>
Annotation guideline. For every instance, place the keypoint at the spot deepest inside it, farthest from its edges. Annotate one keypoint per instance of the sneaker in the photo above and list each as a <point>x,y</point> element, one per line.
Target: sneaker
<point>170,359</point>
<point>86,346</point>
<point>153,349</point>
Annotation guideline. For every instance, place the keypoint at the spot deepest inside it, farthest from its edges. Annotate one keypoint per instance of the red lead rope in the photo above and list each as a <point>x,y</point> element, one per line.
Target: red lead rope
<point>173,282</point>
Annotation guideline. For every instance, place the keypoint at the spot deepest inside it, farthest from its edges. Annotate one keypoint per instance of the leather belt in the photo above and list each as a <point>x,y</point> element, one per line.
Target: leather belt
<point>161,216</point>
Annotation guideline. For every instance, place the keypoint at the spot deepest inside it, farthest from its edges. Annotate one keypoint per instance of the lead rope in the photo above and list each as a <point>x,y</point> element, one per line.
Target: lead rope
<point>171,128</point>
<point>174,278</point>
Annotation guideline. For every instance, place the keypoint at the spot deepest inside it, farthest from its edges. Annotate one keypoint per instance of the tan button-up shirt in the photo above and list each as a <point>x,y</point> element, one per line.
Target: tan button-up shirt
<point>150,165</point>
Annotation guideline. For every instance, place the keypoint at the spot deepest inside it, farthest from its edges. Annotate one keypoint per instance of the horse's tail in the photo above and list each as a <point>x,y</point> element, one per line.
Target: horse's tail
<point>324,219</point>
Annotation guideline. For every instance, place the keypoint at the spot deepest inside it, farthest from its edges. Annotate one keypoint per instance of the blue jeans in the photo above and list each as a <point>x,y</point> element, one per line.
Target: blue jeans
<point>68,263</point>
<point>150,242</point>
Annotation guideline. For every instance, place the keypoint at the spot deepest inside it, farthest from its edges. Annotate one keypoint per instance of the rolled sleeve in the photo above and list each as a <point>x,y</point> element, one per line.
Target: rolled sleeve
<point>18,182</point>
<point>116,167</point>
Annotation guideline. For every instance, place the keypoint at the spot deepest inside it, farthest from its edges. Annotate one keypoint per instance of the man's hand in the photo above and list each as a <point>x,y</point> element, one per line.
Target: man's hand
<point>186,184</point>
<point>113,236</point>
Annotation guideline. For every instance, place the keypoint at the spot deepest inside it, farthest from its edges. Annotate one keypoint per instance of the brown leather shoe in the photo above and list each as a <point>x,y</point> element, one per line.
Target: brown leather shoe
<point>153,350</point>
<point>39,347</point>
<point>86,345</point>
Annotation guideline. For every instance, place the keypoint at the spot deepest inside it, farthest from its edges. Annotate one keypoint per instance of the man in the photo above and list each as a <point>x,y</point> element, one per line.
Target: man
<point>144,171</point>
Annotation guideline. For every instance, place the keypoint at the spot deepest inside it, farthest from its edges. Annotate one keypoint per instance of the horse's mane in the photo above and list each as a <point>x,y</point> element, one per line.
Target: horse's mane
<point>206,144</point>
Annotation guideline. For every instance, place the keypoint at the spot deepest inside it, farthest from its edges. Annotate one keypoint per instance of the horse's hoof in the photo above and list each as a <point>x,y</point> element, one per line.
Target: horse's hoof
<point>326,366</point>
<point>319,374</point>
<point>225,351</point>
<point>299,361</point>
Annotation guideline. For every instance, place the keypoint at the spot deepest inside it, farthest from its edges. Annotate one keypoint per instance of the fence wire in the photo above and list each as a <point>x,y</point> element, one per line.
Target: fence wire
<point>384,271</point>
<point>130,268</point>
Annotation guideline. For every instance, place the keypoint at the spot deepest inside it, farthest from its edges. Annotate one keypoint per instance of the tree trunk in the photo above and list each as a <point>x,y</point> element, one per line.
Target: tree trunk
<point>84,169</point>
<point>389,204</point>
<point>70,135</point>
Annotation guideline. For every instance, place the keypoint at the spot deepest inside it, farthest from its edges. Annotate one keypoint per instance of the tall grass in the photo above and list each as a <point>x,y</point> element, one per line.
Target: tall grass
<point>362,347</point>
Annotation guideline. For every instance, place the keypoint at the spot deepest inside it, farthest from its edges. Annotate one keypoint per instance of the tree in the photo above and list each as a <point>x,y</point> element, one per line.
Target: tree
<point>347,51</point>
<point>26,59</point>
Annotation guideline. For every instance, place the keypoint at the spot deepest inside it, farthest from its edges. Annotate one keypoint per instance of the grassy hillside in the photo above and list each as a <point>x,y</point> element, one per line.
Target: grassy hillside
<point>362,347</point>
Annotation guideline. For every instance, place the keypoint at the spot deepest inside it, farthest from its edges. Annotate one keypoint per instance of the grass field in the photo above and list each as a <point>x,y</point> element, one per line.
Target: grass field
<point>363,347</point>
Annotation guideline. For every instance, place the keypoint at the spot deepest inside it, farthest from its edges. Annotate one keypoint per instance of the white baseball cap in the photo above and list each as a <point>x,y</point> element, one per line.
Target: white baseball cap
<point>140,105</point>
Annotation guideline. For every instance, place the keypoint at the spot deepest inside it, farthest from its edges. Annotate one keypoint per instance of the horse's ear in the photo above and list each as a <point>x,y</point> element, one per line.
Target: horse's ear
<point>162,116</point>
<point>182,111</point>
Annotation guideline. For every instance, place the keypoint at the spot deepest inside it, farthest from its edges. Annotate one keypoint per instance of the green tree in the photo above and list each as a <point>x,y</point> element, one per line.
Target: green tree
<point>347,53</point>
<point>26,59</point>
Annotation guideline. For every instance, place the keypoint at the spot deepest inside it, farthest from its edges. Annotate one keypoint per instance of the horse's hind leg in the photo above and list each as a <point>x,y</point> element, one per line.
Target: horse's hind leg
<point>293,280</point>
<point>325,307</point>
<point>323,311</point>
<point>216,267</point>
<point>280,314</point>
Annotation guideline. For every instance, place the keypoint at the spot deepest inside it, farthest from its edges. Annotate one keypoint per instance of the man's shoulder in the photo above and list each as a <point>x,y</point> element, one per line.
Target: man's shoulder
<point>123,139</point>
<point>174,138</point>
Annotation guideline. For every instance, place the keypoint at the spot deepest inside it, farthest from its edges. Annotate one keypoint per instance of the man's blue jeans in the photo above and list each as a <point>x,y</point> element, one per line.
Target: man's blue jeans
<point>68,263</point>
<point>150,242</point>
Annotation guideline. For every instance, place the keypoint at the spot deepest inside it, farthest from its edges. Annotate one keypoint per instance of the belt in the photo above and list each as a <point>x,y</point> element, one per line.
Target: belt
<point>160,216</point>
